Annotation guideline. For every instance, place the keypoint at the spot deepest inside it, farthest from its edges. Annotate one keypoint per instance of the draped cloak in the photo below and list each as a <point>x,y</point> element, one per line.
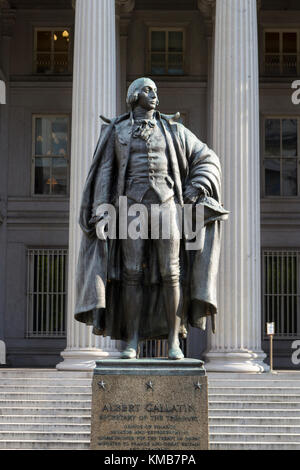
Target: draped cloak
<point>99,269</point>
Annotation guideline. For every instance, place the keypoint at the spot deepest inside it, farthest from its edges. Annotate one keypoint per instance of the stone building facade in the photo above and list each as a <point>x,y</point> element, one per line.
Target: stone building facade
<point>228,67</point>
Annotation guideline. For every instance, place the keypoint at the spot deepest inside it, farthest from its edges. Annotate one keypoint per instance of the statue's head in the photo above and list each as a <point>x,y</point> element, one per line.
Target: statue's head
<point>142,92</point>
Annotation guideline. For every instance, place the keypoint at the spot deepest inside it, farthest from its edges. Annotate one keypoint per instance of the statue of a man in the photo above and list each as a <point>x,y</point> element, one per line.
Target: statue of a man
<point>137,288</point>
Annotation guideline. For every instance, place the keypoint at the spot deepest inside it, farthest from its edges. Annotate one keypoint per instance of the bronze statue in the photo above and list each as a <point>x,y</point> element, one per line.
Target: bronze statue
<point>142,288</point>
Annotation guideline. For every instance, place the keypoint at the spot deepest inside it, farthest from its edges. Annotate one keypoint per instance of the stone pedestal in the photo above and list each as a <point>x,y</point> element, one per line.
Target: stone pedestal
<point>149,404</point>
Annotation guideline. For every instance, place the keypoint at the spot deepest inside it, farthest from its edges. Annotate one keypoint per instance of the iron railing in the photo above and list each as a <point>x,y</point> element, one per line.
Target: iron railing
<point>281,64</point>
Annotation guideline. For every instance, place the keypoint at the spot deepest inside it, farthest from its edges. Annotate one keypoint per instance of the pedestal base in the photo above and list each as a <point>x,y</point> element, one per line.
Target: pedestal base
<point>83,359</point>
<point>149,404</point>
<point>239,361</point>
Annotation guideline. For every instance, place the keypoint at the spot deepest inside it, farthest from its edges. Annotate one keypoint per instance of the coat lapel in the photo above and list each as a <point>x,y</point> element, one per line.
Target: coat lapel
<point>123,136</point>
<point>173,161</point>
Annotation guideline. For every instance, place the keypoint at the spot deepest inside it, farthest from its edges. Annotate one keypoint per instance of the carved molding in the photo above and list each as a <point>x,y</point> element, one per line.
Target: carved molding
<point>122,6</point>
<point>206,7</point>
<point>125,6</point>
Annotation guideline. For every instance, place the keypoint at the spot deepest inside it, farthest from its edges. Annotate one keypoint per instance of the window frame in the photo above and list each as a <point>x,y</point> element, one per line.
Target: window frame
<point>34,156</point>
<point>52,29</point>
<point>167,29</point>
<point>280,31</point>
<point>280,157</point>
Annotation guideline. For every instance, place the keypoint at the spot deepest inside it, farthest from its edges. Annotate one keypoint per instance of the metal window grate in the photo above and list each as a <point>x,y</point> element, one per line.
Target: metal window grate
<point>158,348</point>
<point>46,292</point>
<point>281,292</point>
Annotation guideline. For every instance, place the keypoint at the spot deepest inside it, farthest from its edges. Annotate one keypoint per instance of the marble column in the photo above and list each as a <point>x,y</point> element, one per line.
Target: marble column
<point>236,346</point>
<point>94,93</point>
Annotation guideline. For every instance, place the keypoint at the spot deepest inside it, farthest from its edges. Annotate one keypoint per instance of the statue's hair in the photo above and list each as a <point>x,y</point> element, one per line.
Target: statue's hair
<point>134,90</point>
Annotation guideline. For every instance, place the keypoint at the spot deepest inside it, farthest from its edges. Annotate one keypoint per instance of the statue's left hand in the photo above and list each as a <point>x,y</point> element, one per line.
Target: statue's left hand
<point>192,194</point>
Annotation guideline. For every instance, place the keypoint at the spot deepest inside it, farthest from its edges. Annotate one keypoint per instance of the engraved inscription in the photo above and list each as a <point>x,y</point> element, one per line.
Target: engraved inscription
<point>127,417</point>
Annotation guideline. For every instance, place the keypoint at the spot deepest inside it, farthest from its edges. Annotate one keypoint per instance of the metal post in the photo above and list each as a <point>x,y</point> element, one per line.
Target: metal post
<point>271,354</point>
<point>270,332</point>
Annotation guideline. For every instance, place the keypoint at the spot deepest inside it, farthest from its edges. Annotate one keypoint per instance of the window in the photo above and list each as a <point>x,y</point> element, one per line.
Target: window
<point>51,155</point>
<point>52,51</point>
<point>281,156</point>
<point>166,51</point>
<point>281,292</point>
<point>281,52</point>
<point>46,292</point>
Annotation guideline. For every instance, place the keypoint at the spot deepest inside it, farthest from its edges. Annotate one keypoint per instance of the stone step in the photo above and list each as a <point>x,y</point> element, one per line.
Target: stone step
<point>265,405</point>
<point>41,389</point>
<point>46,418</point>
<point>248,428</point>
<point>70,444</point>
<point>46,427</point>
<point>278,375</point>
<point>43,436</point>
<point>254,437</point>
<point>280,390</point>
<point>253,420</point>
<point>50,410</point>
<point>253,383</point>
<point>253,411</point>
<point>30,396</point>
<point>216,445</point>
<point>21,407</point>
<point>43,381</point>
<point>253,397</point>
<point>47,373</point>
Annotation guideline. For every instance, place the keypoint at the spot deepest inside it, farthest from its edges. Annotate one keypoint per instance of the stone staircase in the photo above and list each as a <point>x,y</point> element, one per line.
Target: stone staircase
<point>46,409</point>
<point>254,411</point>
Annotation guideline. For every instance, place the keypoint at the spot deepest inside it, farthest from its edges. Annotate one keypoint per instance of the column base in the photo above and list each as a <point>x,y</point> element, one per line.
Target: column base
<point>84,359</point>
<point>236,361</point>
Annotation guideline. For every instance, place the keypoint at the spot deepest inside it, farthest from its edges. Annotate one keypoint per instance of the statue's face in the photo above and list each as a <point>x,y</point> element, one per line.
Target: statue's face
<point>148,96</point>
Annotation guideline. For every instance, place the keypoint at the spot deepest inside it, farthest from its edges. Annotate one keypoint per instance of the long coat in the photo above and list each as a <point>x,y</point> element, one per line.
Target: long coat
<point>99,270</point>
